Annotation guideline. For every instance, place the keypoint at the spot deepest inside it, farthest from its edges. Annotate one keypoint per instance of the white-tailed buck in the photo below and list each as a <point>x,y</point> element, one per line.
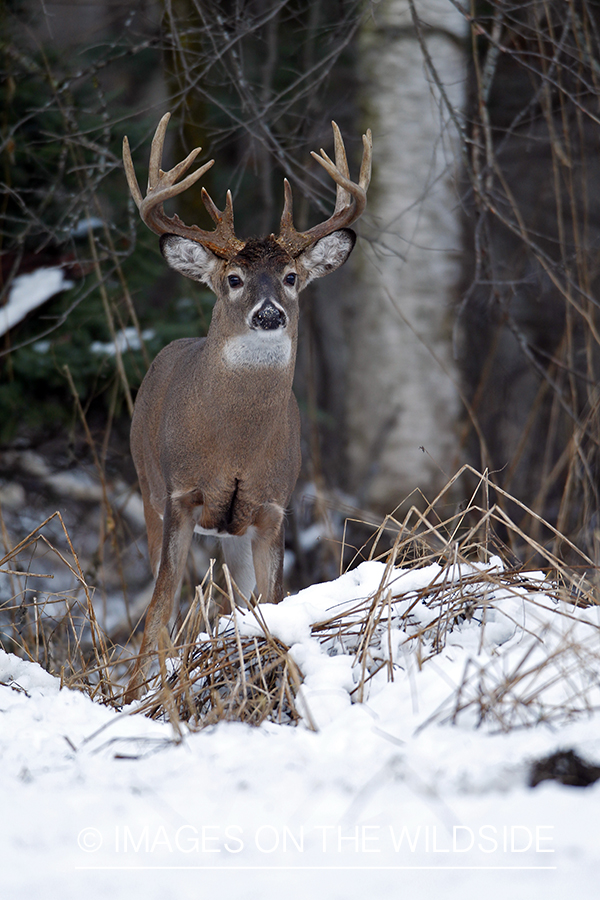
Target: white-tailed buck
<point>215,436</point>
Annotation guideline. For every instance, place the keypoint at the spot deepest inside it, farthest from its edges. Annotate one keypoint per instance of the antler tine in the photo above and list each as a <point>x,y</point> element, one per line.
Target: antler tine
<point>156,151</point>
<point>342,197</point>
<point>130,175</point>
<point>156,175</point>
<point>223,220</point>
<point>287,222</point>
<point>364,177</point>
<point>226,216</point>
<point>165,188</point>
<point>339,170</point>
<point>213,212</point>
<point>350,202</point>
<point>164,185</point>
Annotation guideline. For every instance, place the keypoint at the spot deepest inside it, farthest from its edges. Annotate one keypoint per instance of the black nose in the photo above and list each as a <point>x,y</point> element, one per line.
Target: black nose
<point>268,317</point>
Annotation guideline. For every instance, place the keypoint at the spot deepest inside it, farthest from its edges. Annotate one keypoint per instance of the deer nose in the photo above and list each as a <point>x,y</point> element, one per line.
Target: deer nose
<point>268,317</point>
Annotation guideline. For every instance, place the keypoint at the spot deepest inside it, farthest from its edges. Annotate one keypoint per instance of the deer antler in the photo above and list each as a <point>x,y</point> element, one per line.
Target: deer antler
<point>350,200</point>
<point>163,185</point>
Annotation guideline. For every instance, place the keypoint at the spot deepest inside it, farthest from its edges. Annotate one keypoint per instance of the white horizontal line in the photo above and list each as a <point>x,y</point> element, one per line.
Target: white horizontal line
<point>322,868</point>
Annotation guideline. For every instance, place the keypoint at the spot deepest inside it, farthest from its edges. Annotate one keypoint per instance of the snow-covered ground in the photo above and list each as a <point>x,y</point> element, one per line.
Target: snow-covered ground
<point>405,792</point>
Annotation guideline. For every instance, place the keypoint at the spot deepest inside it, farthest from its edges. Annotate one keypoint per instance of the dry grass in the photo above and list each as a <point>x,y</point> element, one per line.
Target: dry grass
<point>208,674</point>
<point>59,631</point>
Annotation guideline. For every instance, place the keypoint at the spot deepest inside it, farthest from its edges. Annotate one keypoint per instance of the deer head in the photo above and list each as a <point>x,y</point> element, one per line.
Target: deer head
<point>215,434</point>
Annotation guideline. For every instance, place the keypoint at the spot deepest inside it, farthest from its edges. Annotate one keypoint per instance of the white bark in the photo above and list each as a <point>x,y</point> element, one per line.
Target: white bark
<point>402,380</point>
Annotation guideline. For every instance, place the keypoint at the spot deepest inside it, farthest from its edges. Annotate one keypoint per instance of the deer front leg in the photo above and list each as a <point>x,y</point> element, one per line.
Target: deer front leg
<point>267,553</point>
<point>178,528</point>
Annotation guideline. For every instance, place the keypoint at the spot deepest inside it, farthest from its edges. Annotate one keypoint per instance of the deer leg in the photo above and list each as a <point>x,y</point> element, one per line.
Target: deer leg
<point>154,529</point>
<point>237,552</point>
<point>177,530</point>
<point>267,553</point>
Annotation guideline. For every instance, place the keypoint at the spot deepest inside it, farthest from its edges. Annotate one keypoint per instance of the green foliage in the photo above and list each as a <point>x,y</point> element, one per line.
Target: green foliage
<point>246,82</point>
<point>34,389</point>
<point>60,168</point>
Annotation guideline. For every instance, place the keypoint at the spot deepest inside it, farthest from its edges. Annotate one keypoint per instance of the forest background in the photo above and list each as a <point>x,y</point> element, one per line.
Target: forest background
<point>464,330</point>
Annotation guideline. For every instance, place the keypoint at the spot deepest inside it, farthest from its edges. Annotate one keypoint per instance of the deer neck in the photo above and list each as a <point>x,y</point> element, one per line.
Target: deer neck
<point>251,361</point>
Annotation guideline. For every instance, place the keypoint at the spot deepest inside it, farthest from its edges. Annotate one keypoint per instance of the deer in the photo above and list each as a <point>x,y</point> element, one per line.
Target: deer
<point>215,433</point>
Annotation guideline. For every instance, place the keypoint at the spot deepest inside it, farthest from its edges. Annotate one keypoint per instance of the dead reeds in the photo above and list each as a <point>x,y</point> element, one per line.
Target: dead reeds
<point>449,570</point>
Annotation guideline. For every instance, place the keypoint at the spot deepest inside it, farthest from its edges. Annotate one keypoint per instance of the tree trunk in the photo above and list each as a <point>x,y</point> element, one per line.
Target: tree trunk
<point>402,401</point>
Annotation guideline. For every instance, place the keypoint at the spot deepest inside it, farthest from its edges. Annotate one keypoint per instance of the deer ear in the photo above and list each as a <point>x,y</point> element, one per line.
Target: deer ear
<point>327,254</point>
<point>190,258</point>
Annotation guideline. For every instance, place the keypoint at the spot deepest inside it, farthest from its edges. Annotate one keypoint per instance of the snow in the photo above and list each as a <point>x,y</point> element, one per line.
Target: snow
<point>126,339</point>
<point>30,291</point>
<point>406,791</point>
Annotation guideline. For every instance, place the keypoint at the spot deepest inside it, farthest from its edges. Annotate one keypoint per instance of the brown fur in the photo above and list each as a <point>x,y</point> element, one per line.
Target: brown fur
<point>216,444</point>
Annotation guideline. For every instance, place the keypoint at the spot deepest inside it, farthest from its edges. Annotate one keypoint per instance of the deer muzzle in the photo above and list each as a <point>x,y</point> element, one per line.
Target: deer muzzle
<point>269,317</point>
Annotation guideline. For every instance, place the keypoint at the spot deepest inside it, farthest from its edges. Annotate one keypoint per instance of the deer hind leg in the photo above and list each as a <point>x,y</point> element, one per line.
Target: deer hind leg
<point>177,530</point>
<point>267,553</point>
<point>154,529</point>
<point>237,553</point>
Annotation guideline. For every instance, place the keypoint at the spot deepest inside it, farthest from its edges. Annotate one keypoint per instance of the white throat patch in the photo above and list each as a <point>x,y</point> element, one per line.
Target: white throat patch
<point>258,349</point>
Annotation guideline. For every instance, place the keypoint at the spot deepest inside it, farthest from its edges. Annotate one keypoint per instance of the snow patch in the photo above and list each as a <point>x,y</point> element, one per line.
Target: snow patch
<point>30,291</point>
<point>404,785</point>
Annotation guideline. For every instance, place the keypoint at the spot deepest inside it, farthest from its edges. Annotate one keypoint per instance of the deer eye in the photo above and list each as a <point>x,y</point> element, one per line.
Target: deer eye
<point>291,278</point>
<point>234,281</point>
